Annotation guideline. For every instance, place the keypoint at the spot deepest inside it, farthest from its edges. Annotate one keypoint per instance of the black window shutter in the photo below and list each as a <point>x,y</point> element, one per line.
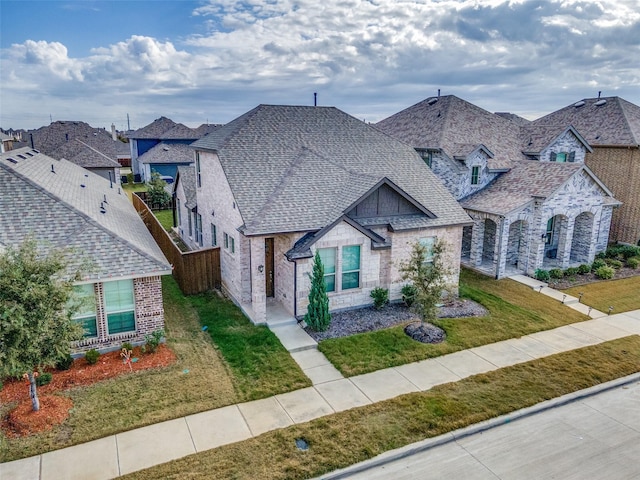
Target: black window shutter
<point>552,157</point>
<point>572,157</point>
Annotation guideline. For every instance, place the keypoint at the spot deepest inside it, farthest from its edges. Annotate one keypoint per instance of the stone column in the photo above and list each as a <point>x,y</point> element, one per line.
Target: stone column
<point>477,240</point>
<point>258,287</point>
<point>501,247</point>
<point>565,241</point>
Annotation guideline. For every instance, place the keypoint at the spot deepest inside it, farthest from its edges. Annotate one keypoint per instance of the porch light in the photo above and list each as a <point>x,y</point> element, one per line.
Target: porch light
<point>260,268</point>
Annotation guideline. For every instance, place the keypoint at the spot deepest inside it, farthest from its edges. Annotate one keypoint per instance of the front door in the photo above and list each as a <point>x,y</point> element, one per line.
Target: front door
<point>268,267</point>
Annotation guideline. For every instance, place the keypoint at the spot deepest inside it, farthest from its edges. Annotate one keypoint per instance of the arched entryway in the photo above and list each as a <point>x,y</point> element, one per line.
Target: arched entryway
<point>581,246</point>
<point>555,239</point>
<point>517,245</point>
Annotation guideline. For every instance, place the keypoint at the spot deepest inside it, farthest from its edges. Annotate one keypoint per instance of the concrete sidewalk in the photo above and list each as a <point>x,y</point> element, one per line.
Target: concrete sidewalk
<point>148,446</point>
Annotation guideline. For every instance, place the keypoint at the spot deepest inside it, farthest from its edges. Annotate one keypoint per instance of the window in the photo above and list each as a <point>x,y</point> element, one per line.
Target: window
<point>475,175</point>
<point>190,225</point>
<point>119,306</point>
<point>199,229</point>
<point>86,314</point>
<point>562,157</point>
<point>226,240</point>
<point>426,156</point>
<point>550,226</point>
<point>214,236</point>
<point>350,267</point>
<point>428,243</point>
<point>178,212</point>
<point>328,258</point>
<point>198,177</point>
<point>232,242</point>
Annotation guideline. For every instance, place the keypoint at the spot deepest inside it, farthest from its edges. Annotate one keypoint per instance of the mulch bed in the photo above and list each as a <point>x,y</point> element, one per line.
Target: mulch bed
<point>577,280</point>
<point>54,409</point>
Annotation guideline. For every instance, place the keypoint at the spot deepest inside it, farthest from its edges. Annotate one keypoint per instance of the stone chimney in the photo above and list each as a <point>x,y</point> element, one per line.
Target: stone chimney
<point>114,135</point>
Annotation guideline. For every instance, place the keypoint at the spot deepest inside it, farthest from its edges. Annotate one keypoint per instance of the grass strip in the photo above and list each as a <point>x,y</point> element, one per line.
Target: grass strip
<point>623,295</point>
<point>514,310</point>
<point>345,438</point>
<point>165,217</point>
<point>260,365</point>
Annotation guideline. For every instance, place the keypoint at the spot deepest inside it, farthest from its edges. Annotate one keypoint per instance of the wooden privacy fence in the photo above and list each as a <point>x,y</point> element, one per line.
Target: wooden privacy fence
<point>196,271</point>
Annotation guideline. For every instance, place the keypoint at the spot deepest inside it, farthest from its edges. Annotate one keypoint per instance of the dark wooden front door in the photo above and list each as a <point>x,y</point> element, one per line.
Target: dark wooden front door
<point>268,266</point>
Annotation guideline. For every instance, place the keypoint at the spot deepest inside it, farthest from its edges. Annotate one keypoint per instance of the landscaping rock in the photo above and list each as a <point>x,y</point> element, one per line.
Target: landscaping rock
<point>425,332</point>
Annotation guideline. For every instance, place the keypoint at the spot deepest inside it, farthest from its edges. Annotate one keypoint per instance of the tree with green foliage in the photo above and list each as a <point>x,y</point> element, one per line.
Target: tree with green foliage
<point>427,273</point>
<point>36,305</point>
<point>318,316</point>
<point>156,190</point>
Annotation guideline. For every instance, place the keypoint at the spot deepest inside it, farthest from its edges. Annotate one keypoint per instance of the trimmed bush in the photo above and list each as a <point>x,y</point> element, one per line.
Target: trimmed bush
<point>153,340</point>
<point>542,275</point>
<point>126,345</point>
<point>380,297</point>
<point>44,379</point>
<point>571,271</point>
<point>408,294</point>
<point>612,262</point>
<point>92,356</point>
<point>597,263</point>
<point>65,362</point>
<point>605,273</point>
<point>633,262</point>
<point>584,269</point>
<point>556,273</point>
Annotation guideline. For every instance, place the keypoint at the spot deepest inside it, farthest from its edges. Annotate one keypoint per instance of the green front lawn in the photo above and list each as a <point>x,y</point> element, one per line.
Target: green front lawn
<point>345,438</point>
<point>233,361</point>
<point>515,310</point>
<point>623,295</point>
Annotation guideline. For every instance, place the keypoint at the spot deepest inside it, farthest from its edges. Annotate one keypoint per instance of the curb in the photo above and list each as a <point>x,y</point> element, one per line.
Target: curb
<point>424,445</point>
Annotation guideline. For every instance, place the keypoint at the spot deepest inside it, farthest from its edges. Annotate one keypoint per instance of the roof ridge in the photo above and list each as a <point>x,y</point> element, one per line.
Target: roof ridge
<point>626,119</point>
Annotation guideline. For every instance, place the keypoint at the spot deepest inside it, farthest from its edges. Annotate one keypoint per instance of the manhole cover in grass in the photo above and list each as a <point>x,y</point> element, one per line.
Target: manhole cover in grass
<point>302,444</point>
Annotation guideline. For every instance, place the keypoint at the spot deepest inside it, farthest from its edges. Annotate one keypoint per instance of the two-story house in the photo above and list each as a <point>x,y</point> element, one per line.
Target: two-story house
<point>280,183</point>
<point>533,201</point>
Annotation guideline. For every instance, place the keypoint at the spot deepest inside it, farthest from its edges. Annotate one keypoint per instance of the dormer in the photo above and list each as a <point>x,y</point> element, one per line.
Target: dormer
<point>554,144</point>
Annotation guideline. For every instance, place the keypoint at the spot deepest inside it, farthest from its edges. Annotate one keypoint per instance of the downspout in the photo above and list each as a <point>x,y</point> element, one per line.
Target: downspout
<point>295,290</point>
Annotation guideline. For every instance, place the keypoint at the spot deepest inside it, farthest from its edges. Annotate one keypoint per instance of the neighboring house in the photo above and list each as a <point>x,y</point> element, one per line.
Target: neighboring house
<point>7,142</point>
<point>78,142</point>
<point>184,193</point>
<point>611,125</point>
<point>280,183</point>
<point>534,202</point>
<point>64,206</point>
<point>161,147</point>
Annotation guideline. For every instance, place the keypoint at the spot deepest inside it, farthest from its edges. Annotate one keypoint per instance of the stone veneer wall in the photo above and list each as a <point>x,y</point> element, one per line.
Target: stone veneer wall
<point>149,313</point>
<point>378,267</point>
<point>619,169</point>
<point>458,181</point>
<point>565,143</point>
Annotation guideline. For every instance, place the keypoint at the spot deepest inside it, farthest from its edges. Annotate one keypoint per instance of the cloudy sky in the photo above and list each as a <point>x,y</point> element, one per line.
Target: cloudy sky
<point>199,61</point>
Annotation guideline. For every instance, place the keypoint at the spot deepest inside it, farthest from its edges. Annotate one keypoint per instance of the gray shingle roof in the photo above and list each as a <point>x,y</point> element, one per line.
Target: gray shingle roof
<point>514,118</point>
<point>187,178</point>
<point>168,153</point>
<point>60,211</point>
<point>519,186</point>
<point>536,137</point>
<point>453,125</point>
<point>294,168</point>
<point>614,121</point>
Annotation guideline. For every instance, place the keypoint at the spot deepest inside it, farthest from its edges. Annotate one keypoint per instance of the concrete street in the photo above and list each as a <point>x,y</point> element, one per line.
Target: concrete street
<point>597,437</point>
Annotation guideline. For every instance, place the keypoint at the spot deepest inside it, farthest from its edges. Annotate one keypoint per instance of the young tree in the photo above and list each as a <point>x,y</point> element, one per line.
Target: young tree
<point>427,272</point>
<point>36,328</point>
<point>318,316</point>
<point>156,190</point>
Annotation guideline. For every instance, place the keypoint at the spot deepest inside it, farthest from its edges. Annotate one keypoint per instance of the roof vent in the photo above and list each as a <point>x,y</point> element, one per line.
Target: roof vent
<point>579,104</point>
<point>166,149</point>
<point>52,169</point>
<point>22,156</point>
<point>599,103</point>
<point>432,100</point>
<point>82,185</point>
<point>12,160</point>
<point>102,209</point>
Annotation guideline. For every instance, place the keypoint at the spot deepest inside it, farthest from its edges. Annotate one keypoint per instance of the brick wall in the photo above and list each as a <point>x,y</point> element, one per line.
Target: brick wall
<point>149,313</point>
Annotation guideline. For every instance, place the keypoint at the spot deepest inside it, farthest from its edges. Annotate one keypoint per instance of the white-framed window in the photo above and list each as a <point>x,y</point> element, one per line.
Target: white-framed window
<point>86,314</point>
<point>190,225</point>
<point>119,305</point>
<point>178,213</point>
<point>232,244</point>
<point>475,175</point>
<point>562,157</point>
<point>428,243</point>
<point>350,267</point>
<point>198,176</point>
<point>199,229</point>
<point>214,236</point>
<point>551,223</point>
<point>226,240</point>
<point>328,258</point>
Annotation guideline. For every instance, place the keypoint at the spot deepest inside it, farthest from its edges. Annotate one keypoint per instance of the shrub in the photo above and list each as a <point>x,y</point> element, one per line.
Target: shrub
<point>601,256</point>
<point>92,356</point>
<point>130,178</point>
<point>126,345</point>
<point>318,317</point>
<point>605,273</point>
<point>408,294</point>
<point>556,273</point>
<point>584,269</point>
<point>571,271</point>
<point>617,264</point>
<point>633,262</point>
<point>597,263</point>
<point>542,275</point>
<point>65,362</point>
<point>153,340</point>
<point>380,297</point>
<point>622,251</point>
<point>43,379</point>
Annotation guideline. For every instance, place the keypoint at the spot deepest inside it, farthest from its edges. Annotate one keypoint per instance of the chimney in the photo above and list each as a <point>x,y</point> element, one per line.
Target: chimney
<point>114,136</point>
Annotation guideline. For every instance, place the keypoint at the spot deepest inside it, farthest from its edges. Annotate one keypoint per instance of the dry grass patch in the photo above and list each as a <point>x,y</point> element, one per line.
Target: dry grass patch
<point>345,438</point>
<point>623,295</point>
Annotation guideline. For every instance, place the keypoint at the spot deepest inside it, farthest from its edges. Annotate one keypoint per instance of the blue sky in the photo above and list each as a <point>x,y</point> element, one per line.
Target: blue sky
<point>199,61</point>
